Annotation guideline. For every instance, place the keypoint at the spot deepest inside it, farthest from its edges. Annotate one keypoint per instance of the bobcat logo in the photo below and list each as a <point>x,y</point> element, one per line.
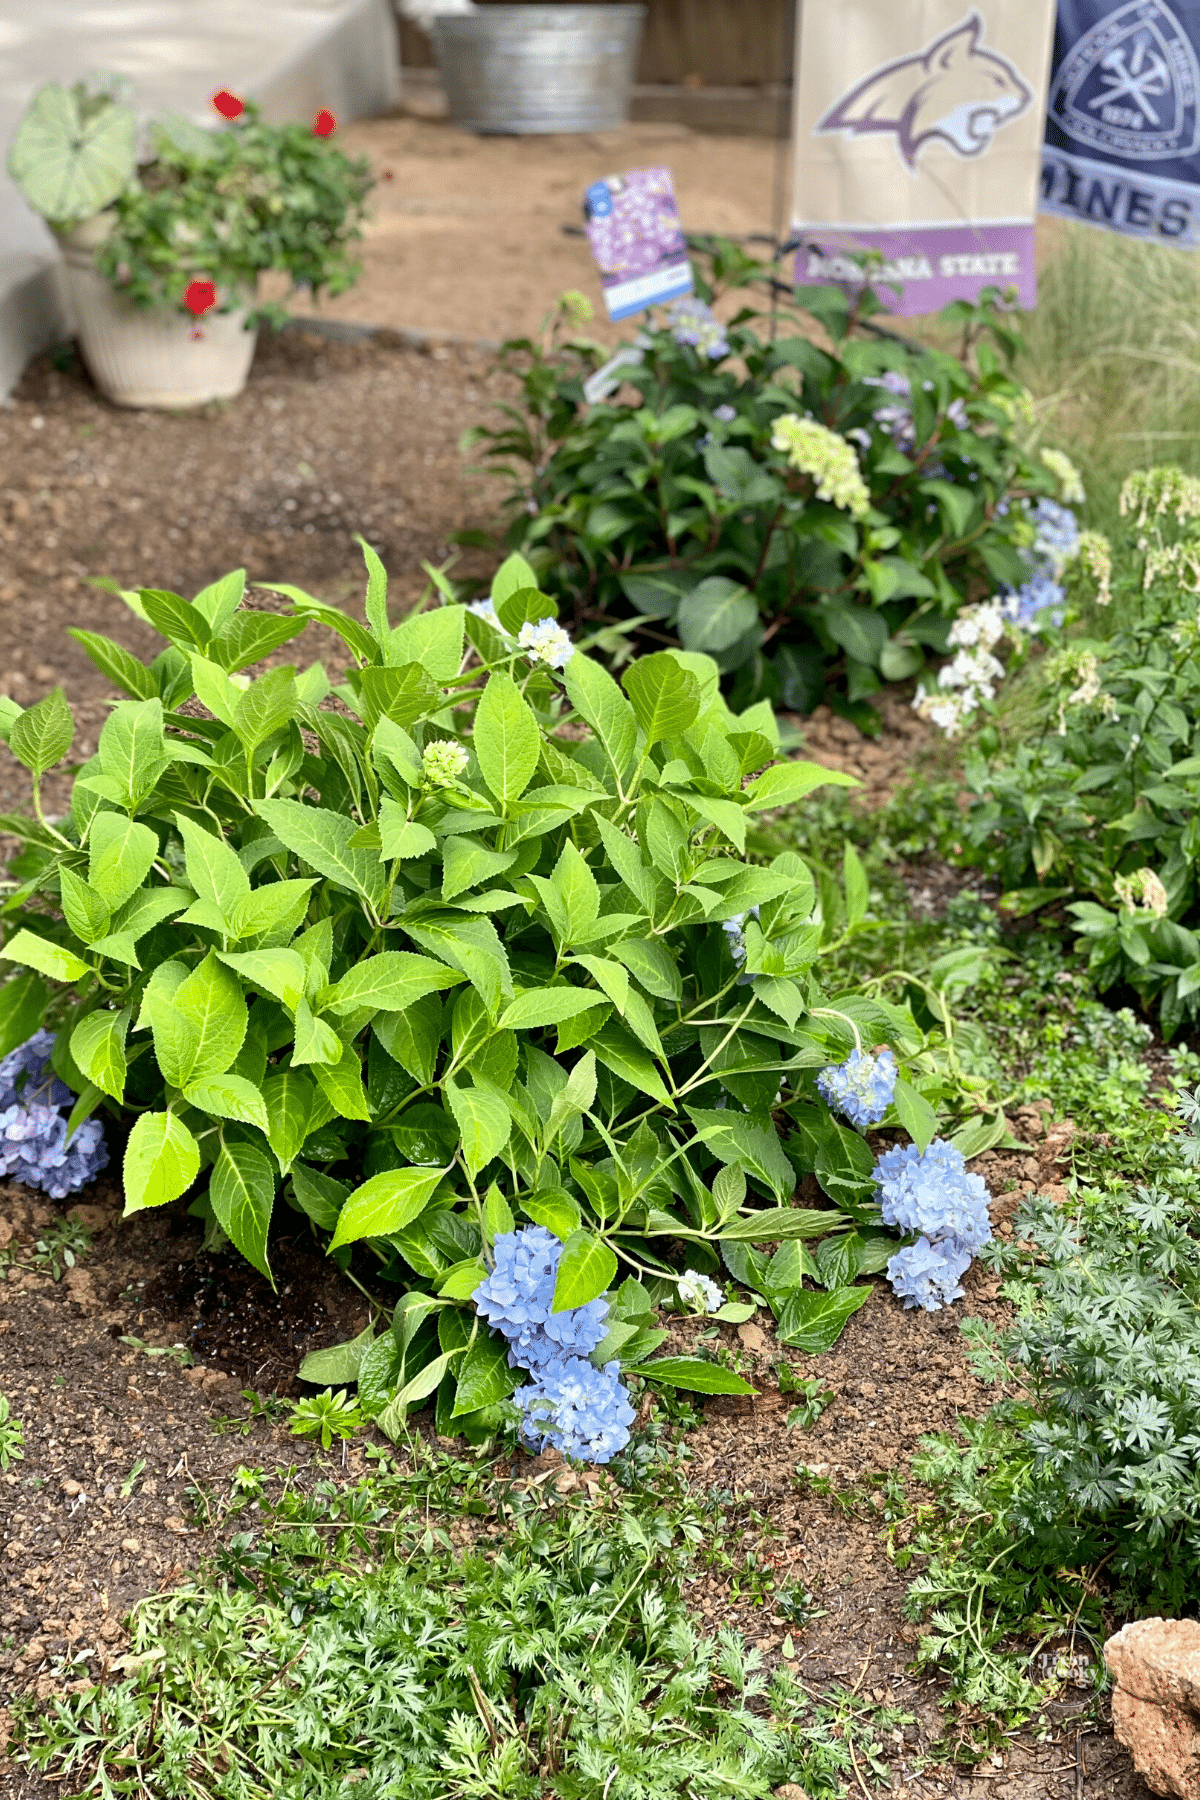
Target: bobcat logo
<point>953,90</point>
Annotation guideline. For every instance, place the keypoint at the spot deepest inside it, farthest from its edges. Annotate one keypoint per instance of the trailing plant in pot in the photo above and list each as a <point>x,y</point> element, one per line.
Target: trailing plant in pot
<point>155,246</point>
<point>811,514</point>
<point>472,947</point>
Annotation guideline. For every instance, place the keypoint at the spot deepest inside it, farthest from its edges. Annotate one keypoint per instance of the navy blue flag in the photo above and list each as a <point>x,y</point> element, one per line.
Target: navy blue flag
<point>1123,123</point>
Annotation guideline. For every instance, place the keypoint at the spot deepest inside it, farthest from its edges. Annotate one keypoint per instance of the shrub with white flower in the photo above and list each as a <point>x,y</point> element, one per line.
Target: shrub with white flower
<point>34,1104</point>
<point>442,763</point>
<point>546,642</point>
<point>827,457</point>
<point>861,1088</point>
<point>931,1193</point>
<point>580,1410</point>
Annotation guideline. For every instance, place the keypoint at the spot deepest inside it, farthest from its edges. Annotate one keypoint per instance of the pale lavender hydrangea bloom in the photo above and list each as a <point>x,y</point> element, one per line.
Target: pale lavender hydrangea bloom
<point>700,1292</point>
<point>693,323</point>
<point>861,1088</point>
<point>34,1150</point>
<point>25,1074</point>
<point>929,1275</point>
<point>581,1411</point>
<point>726,414</point>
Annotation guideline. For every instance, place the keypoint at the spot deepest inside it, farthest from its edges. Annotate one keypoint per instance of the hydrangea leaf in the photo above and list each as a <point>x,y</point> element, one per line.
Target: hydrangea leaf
<point>814,1322</point>
<point>585,1271</point>
<point>162,1159</point>
<point>695,1375</point>
<point>386,1203</point>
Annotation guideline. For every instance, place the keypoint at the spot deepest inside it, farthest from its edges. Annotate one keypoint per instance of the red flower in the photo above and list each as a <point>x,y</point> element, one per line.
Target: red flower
<point>200,296</point>
<point>324,124</point>
<point>227,104</point>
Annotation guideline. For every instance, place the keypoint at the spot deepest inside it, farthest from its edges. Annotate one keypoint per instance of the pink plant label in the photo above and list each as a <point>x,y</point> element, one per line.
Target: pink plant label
<point>637,240</point>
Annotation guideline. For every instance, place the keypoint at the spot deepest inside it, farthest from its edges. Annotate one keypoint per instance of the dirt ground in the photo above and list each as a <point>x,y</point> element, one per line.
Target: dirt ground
<point>122,1445</point>
<point>478,236</point>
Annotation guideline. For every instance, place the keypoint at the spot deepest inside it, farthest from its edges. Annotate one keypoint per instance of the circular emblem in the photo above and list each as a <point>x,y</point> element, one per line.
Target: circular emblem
<point>1130,85</point>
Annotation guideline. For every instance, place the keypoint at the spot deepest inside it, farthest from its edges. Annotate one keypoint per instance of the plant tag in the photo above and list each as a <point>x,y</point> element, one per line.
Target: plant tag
<point>607,378</point>
<point>637,240</point>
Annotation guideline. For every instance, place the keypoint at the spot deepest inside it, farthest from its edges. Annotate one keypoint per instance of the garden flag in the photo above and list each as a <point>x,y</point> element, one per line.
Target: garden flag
<point>637,240</point>
<point>1123,125</point>
<point>918,134</point>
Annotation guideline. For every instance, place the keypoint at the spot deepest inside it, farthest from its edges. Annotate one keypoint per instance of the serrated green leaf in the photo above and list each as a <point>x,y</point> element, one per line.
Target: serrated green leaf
<point>322,840</point>
<point>915,1113</point>
<point>506,739</point>
<point>41,736</point>
<point>162,1159</point>
<point>386,1203</point>
<point>665,697</point>
<point>484,1376</point>
<point>242,1194</point>
<point>813,1322</point>
<point>47,958</point>
<point>390,982</point>
<point>585,1270</point>
<point>695,1375</point>
<point>483,1121</point>
<point>98,1047</point>
<point>229,1097</point>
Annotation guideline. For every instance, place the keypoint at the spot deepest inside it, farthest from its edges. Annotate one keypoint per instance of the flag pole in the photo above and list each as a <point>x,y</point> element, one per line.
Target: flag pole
<point>783,138</point>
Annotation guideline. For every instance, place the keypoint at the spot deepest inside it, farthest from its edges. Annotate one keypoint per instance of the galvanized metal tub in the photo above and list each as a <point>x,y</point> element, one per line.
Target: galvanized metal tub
<point>525,69</point>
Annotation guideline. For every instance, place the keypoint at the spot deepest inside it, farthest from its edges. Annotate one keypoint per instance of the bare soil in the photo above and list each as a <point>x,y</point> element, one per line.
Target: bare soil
<point>478,236</point>
<point>122,1445</point>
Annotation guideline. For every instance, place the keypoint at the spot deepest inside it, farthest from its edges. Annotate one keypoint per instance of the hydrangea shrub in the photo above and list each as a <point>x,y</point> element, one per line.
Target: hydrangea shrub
<point>441,953</point>
<point>1100,807</point>
<point>807,515</point>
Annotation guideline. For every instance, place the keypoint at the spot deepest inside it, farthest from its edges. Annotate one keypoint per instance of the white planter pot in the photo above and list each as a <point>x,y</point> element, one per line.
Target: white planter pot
<point>143,357</point>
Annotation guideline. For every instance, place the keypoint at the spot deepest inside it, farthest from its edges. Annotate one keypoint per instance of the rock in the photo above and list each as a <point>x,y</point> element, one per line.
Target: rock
<point>1156,1703</point>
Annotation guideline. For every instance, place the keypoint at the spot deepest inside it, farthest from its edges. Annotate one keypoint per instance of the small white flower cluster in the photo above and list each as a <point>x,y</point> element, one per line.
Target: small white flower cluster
<point>1153,493</point>
<point>827,457</point>
<point>546,642</point>
<point>971,675</point>
<point>700,1292</point>
<point>1142,891</point>
<point>1094,555</point>
<point>1070,481</point>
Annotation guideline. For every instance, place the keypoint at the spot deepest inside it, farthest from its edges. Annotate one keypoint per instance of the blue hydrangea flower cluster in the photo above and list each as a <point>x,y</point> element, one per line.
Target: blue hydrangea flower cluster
<point>931,1192</point>
<point>929,1275</point>
<point>692,322</point>
<point>582,1411</point>
<point>1056,539</point>
<point>577,1409</point>
<point>861,1088</point>
<point>34,1148</point>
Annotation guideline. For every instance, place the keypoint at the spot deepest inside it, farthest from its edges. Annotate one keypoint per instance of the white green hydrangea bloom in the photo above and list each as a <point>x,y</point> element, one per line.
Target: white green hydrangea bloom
<point>700,1292</point>
<point>546,642</point>
<point>442,763</point>
<point>1070,481</point>
<point>827,457</point>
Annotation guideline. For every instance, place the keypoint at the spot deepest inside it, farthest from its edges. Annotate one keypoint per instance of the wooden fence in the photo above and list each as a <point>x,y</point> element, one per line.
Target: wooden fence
<point>697,43</point>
